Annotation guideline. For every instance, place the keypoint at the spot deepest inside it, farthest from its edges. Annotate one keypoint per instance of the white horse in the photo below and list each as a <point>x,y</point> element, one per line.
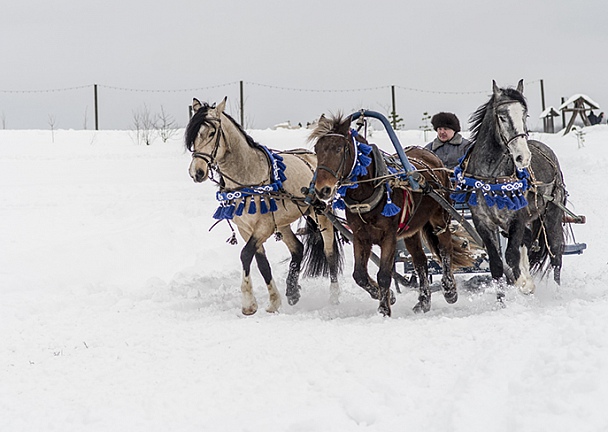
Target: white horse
<point>261,191</point>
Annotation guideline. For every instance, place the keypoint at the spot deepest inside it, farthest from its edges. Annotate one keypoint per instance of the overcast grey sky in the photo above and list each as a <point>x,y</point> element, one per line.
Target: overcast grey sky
<point>278,48</point>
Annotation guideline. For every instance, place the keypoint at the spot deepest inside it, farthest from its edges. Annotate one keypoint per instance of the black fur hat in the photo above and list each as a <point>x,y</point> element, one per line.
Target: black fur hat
<point>446,120</point>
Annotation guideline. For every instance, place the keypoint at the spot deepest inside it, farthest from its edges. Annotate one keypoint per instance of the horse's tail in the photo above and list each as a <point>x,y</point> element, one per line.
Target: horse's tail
<point>462,246</point>
<point>544,231</point>
<point>315,262</point>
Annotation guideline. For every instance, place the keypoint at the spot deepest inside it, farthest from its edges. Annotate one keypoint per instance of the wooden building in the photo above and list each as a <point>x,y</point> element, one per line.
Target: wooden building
<point>578,105</point>
<point>547,116</point>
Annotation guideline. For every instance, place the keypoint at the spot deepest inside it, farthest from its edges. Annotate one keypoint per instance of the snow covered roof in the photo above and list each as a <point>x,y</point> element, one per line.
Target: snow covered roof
<point>549,112</point>
<point>586,99</point>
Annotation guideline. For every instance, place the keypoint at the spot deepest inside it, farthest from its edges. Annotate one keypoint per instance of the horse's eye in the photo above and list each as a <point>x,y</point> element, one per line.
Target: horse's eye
<point>212,134</point>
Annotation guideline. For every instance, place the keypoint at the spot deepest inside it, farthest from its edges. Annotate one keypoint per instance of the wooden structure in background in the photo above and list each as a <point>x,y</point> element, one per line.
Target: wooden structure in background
<point>580,105</point>
<point>547,116</point>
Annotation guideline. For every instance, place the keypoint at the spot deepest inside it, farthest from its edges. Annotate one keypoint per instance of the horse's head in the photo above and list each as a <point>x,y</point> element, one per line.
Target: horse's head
<point>335,154</point>
<point>510,113</point>
<point>204,138</point>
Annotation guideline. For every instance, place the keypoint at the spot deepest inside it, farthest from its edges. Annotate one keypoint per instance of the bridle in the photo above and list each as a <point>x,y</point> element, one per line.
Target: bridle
<point>338,174</point>
<point>209,158</point>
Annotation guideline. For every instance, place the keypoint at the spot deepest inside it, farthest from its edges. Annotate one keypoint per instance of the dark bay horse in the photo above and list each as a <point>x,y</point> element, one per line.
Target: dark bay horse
<point>380,211</point>
<point>260,190</point>
<point>515,185</point>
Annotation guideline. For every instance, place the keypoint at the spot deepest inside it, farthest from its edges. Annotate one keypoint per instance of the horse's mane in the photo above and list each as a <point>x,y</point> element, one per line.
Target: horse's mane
<point>476,119</point>
<point>200,119</point>
<point>327,125</point>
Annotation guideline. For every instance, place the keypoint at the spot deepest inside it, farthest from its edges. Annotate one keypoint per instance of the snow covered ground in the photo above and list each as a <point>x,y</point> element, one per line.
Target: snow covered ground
<point>120,311</point>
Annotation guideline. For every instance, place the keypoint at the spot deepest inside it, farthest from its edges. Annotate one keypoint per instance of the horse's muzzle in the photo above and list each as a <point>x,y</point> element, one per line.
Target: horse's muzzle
<point>325,193</point>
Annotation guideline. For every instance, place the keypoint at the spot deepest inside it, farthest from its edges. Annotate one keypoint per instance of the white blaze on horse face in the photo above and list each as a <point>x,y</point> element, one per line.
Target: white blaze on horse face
<point>512,123</point>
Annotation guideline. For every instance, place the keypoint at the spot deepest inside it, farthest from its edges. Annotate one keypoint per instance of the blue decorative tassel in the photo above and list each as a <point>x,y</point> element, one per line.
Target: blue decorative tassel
<point>273,205</point>
<point>489,199</point>
<point>359,170</point>
<point>523,201</point>
<point>252,208</point>
<point>228,212</point>
<point>240,208</point>
<point>473,199</point>
<point>218,213</point>
<point>501,201</point>
<point>512,202</point>
<point>263,206</point>
<point>459,197</point>
<point>390,209</point>
<point>364,148</point>
<point>364,160</point>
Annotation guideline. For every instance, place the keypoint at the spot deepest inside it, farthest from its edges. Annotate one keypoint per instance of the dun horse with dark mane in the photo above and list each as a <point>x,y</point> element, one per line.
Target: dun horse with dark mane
<point>260,190</point>
<point>380,211</point>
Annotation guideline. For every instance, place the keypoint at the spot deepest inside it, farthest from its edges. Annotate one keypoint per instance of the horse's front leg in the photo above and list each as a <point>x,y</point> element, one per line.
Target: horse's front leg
<point>385,273</point>
<point>249,304</point>
<point>446,250</point>
<point>293,276</point>
<point>274,298</point>
<point>516,256</point>
<point>360,275</point>
<point>333,254</point>
<point>490,242</point>
<point>414,247</point>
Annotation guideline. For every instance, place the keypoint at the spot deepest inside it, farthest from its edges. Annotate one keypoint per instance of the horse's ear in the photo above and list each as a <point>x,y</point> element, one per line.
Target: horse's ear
<point>323,120</point>
<point>196,105</point>
<point>520,86</point>
<point>344,127</point>
<point>220,108</point>
<point>495,88</point>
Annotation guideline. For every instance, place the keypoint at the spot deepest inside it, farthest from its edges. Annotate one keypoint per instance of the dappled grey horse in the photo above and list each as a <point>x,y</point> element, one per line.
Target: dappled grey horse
<point>513,185</point>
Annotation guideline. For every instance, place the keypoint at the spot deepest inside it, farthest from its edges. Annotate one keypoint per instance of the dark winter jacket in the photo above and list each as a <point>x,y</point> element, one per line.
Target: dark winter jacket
<point>450,151</point>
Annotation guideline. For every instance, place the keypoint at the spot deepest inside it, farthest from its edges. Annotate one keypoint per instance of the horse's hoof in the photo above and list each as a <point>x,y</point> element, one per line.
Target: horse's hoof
<point>384,310</point>
<point>450,296</point>
<point>293,296</point>
<point>250,310</point>
<point>500,301</point>
<point>422,306</point>
<point>373,292</point>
